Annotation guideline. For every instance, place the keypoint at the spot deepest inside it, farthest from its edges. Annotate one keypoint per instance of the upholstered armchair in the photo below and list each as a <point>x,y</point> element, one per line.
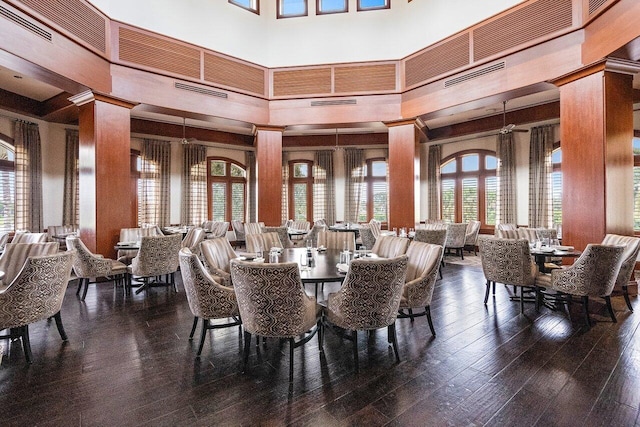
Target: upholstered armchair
<point>283,235</point>
<point>300,225</point>
<point>390,246</point>
<point>456,234</point>
<point>507,261</point>
<point>88,266</point>
<point>435,237</point>
<point>217,254</point>
<point>193,238</point>
<point>507,234</point>
<point>263,241</point>
<point>29,238</point>
<point>423,263</point>
<point>367,236</point>
<point>369,299</point>
<point>15,255</point>
<point>273,303</point>
<point>218,229</point>
<point>4,238</point>
<point>471,236</point>
<point>593,274</point>
<point>238,229</point>
<point>157,256</point>
<point>253,228</point>
<point>312,235</point>
<point>132,235</point>
<point>629,256</point>
<point>207,298</point>
<point>35,294</point>
<point>338,240</point>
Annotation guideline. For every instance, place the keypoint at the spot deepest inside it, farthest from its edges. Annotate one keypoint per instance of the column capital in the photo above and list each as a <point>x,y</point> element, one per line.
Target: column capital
<point>614,65</point>
<point>268,128</point>
<point>90,96</point>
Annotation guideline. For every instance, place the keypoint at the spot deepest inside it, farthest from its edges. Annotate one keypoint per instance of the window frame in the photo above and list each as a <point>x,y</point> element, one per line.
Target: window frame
<point>228,180</point>
<point>320,12</point>
<point>280,15</point>
<point>369,180</point>
<point>255,9</point>
<point>309,181</point>
<point>387,5</point>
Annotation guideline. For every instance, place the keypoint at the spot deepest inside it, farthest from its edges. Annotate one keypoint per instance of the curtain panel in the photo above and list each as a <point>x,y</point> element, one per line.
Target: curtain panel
<point>506,174</point>
<point>354,171</point>
<point>28,164</point>
<point>71,195</point>
<point>324,199</point>
<point>153,186</point>
<point>540,169</point>
<point>194,184</point>
<point>433,181</point>
<point>252,181</point>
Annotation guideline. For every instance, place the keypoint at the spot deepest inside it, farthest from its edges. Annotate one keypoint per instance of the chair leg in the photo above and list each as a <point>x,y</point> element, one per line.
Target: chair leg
<point>247,347</point>
<point>607,299</point>
<point>486,294</point>
<point>411,314</point>
<point>61,330</point>
<point>625,293</point>
<point>521,300</point>
<point>440,271</point>
<point>26,344</point>
<point>538,296</point>
<point>494,288</point>
<point>80,282</point>
<point>461,254</point>
<point>203,335</point>
<point>585,307</point>
<point>320,327</point>
<point>427,310</point>
<point>354,335</point>
<point>392,333</point>
<point>86,288</point>
<point>193,328</point>
<point>291,347</point>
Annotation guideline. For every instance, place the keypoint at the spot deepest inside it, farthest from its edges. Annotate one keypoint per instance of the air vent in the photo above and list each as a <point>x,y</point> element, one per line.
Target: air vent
<point>334,102</point>
<point>25,23</point>
<point>201,90</point>
<point>594,5</point>
<point>474,74</point>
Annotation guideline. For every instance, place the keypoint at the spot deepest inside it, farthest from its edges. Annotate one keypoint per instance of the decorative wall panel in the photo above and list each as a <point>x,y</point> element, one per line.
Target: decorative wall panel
<point>302,82</point>
<point>437,60</point>
<point>367,78</point>
<point>220,70</point>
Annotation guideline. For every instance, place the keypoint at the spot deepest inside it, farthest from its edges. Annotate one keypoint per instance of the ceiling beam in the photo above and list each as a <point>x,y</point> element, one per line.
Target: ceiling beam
<point>171,130</point>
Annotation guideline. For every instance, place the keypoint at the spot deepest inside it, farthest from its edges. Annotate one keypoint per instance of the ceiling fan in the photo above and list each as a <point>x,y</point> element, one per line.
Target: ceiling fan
<point>184,140</point>
<point>508,128</point>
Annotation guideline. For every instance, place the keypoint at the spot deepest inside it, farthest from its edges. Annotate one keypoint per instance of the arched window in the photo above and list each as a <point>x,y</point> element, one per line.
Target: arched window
<point>227,189</point>
<point>7,185</point>
<point>301,190</point>
<point>374,192</point>
<point>556,186</point>
<point>469,187</point>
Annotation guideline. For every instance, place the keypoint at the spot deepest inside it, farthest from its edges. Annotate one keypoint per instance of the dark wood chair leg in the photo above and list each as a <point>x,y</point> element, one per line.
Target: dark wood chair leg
<point>86,288</point>
<point>354,335</point>
<point>203,335</point>
<point>486,294</point>
<point>607,299</point>
<point>291,347</point>
<point>521,300</point>
<point>411,314</point>
<point>80,282</point>
<point>247,347</point>
<point>392,334</point>
<point>320,327</point>
<point>625,293</point>
<point>494,288</point>
<point>193,328</point>
<point>61,330</point>
<point>585,307</point>
<point>427,310</point>
<point>26,344</point>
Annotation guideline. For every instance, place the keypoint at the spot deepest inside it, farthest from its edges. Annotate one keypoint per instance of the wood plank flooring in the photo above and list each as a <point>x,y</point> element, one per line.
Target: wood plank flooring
<point>128,361</point>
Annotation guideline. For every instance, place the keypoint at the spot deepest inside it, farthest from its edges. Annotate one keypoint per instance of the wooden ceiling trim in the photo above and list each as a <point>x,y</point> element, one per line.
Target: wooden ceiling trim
<point>365,78</point>
<point>302,82</point>
<point>76,17</point>
<point>149,50</point>
<point>171,130</point>
<point>223,71</point>
<point>354,139</point>
<point>435,61</point>
<point>522,25</point>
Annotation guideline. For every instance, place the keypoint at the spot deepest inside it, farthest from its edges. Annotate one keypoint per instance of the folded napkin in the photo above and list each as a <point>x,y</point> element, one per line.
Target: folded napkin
<point>342,268</point>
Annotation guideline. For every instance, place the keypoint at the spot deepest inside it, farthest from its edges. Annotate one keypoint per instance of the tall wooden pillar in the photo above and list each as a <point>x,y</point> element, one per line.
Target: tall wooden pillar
<point>596,131</point>
<point>269,173</point>
<point>404,174</point>
<point>104,180</point>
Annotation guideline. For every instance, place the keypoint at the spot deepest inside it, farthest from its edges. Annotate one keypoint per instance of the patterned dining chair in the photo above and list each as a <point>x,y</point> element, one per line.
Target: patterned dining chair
<point>273,303</point>
<point>283,235</point>
<point>390,246</point>
<point>263,242</point>
<point>35,294</point>
<point>593,274</point>
<point>455,238</point>
<point>218,229</point>
<point>337,240</point>
<point>253,228</point>
<point>631,248</point>
<point>471,236</point>
<point>368,299</point>
<point>157,256</point>
<point>435,236</point>
<point>423,263</point>
<point>238,229</point>
<point>217,254</point>
<point>207,298</point>
<point>193,238</point>
<point>367,237</point>
<point>15,255</point>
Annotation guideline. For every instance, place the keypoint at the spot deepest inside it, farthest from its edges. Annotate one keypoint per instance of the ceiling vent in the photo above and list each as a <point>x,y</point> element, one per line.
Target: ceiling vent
<point>201,90</point>
<point>475,74</point>
<point>28,25</point>
<point>333,102</point>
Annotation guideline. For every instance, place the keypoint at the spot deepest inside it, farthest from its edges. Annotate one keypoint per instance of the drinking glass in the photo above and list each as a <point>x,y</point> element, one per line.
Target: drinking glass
<point>303,262</point>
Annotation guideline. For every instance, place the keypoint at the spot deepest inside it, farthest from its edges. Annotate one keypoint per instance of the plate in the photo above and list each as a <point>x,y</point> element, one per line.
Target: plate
<point>565,248</point>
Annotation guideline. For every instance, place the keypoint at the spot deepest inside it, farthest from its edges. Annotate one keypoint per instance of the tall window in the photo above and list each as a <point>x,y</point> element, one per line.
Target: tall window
<point>7,187</point>
<point>636,184</point>
<point>252,5</point>
<point>373,4</point>
<point>374,191</point>
<point>331,6</point>
<point>556,187</point>
<point>290,8</point>
<point>301,190</point>
<point>469,187</point>
<point>227,189</point>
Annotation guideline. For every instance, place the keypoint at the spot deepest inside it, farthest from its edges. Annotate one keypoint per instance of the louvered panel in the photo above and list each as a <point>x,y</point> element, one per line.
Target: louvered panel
<point>521,26</point>
<point>437,60</point>
<point>154,52</point>
<point>302,82</point>
<point>368,78</point>
<point>594,5</point>
<point>74,16</point>
<point>226,72</point>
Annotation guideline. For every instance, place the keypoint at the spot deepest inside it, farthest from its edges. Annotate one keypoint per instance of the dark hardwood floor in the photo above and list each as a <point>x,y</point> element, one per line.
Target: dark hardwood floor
<point>128,361</point>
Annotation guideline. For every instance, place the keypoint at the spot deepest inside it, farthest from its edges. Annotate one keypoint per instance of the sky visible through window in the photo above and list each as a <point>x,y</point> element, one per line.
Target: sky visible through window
<point>332,5</point>
<point>366,4</point>
<point>292,7</point>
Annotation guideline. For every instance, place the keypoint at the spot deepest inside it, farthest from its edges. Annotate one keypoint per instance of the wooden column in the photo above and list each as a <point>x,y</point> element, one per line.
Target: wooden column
<point>404,174</point>
<point>596,131</point>
<point>104,181</point>
<point>269,173</point>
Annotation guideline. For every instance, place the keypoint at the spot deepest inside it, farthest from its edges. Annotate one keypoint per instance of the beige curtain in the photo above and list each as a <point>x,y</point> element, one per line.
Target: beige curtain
<point>354,171</point>
<point>285,187</point>
<point>252,181</point>
<point>194,184</point>
<point>71,195</point>
<point>28,176</point>
<point>433,181</point>
<point>540,169</point>
<point>506,174</point>
<point>153,186</point>
<point>324,197</point>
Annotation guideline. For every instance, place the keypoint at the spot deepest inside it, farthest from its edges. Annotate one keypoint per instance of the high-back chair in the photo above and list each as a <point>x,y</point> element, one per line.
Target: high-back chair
<point>312,235</point>
<point>300,225</point>
<point>593,274</point>
<point>238,229</point>
<point>88,266</point>
<point>471,236</point>
<point>507,234</point>
<point>35,294</point>
<point>253,228</point>
<point>367,237</point>
<point>207,226</point>
<point>423,263</point>
<point>368,299</point>
<point>29,238</point>
<point>207,298</point>
<point>263,242</point>
<point>507,261</point>
<point>390,246</point>
<point>218,229</point>
<point>435,237</point>
<point>193,238</point>
<point>631,248</point>
<point>158,256</point>
<point>283,235</point>
<point>504,226</point>
<point>273,303</point>
<point>217,254</point>
<point>130,235</point>
<point>455,238</point>
<point>15,254</point>
<point>337,240</point>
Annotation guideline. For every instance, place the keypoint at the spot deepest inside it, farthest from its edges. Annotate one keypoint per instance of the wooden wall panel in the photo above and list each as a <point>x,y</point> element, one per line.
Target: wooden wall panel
<point>404,175</point>
<point>365,78</point>
<point>220,70</point>
<point>434,61</point>
<point>302,82</point>
<point>269,173</point>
